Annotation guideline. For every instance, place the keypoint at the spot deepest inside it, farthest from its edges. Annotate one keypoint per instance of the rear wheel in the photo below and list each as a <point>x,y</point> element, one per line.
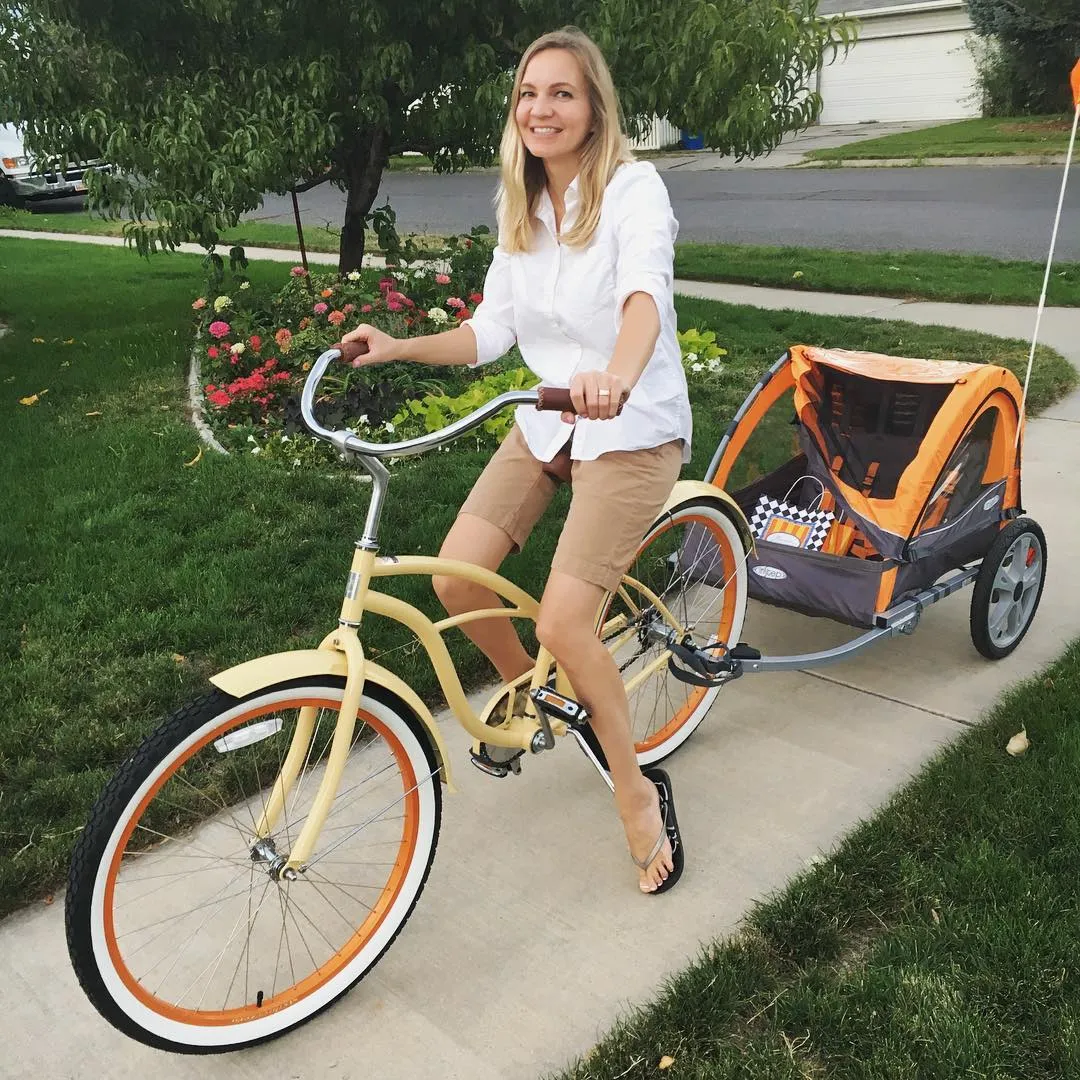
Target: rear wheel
<point>1008,589</point>
<point>183,929</point>
<point>689,576</point>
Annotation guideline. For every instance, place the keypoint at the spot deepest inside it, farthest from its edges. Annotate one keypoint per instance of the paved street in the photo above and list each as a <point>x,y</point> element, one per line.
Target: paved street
<point>1005,211</point>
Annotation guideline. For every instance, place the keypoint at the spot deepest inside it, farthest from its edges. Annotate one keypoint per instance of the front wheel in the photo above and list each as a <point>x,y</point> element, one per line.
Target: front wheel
<point>182,928</point>
<point>689,576</point>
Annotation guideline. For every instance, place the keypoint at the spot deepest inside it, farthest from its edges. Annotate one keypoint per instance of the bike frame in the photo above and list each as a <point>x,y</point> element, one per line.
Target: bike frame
<point>525,732</point>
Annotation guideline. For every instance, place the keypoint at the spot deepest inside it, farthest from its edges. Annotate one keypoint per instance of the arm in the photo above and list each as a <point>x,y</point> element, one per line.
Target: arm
<point>644,279</point>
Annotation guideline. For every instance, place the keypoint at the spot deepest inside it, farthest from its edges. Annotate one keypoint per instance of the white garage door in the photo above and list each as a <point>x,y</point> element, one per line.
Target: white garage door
<point>916,77</point>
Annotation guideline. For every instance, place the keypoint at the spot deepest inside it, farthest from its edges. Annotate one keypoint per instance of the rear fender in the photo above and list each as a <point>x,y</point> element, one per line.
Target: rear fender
<point>267,671</point>
<point>684,490</point>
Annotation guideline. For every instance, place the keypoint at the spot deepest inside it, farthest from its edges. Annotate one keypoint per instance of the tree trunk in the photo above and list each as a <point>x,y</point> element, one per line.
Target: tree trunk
<point>363,171</point>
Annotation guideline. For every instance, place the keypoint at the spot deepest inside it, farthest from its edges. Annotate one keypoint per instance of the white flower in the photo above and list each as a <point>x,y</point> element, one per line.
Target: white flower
<point>715,365</point>
<point>389,427</point>
<point>238,348</point>
<point>251,438</point>
<point>296,463</point>
<point>221,303</point>
<point>421,273</point>
<point>256,449</point>
<point>245,284</point>
<point>691,357</point>
<point>363,419</point>
<point>695,368</point>
<point>353,275</point>
<point>284,438</point>
<point>437,315</point>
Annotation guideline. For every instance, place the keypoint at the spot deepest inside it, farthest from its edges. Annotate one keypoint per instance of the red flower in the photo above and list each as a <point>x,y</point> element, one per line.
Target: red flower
<point>462,314</point>
<point>212,352</point>
<point>393,305</point>
<point>219,397</point>
<point>475,298</point>
<point>210,388</point>
<point>255,342</point>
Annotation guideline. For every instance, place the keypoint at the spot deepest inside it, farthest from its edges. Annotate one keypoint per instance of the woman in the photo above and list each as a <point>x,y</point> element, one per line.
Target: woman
<point>581,279</point>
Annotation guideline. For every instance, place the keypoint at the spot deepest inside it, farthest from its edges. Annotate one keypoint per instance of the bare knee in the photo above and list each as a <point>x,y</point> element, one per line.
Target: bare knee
<point>456,594</point>
<point>557,632</point>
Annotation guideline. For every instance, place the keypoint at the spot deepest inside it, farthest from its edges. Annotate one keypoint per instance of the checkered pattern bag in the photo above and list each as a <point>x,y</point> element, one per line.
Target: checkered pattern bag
<point>778,521</point>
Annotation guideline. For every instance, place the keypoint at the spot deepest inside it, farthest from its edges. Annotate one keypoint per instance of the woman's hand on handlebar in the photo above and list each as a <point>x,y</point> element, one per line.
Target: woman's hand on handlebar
<point>381,347</point>
<point>598,395</point>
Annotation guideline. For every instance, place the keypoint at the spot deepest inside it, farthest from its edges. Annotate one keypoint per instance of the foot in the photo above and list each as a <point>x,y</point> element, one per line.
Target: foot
<point>640,813</point>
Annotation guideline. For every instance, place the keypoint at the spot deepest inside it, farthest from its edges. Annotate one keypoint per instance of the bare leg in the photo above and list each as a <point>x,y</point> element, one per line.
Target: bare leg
<point>565,627</point>
<point>474,540</point>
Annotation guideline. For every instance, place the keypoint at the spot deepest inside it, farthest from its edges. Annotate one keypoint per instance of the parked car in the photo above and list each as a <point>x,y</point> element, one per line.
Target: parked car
<point>21,183</point>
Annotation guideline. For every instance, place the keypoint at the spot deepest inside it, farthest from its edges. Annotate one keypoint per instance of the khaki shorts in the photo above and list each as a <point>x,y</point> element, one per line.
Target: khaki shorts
<point>615,499</point>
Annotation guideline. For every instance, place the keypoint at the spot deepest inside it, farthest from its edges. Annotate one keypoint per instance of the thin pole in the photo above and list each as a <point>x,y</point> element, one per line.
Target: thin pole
<point>1049,264</point>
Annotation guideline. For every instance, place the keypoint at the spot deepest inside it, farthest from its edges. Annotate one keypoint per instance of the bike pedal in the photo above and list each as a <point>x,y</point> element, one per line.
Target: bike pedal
<point>558,706</point>
<point>497,766</point>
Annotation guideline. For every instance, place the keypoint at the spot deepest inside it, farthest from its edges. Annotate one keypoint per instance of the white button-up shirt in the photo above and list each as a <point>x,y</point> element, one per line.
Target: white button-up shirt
<point>563,306</point>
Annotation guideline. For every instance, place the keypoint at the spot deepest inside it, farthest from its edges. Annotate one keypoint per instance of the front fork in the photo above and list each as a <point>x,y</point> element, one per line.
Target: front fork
<point>345,640</point>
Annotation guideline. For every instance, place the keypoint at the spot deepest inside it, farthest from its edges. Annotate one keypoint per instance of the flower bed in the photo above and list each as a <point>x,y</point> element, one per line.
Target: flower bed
<point>256,350</point>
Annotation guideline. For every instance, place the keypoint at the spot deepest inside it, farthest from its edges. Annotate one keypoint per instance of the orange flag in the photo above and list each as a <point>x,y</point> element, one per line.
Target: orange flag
<point>1076,84</point>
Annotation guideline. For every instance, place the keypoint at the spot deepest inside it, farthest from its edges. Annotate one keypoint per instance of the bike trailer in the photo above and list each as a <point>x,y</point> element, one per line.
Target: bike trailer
<point>867,477</point>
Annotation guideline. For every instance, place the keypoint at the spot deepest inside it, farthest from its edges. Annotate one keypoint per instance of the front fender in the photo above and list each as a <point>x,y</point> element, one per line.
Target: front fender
<point>692,489</point>
<point>277,668</point>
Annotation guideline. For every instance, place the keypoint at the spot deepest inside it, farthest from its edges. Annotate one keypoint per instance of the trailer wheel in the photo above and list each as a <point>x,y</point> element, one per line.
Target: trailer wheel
<point>1008,589</point>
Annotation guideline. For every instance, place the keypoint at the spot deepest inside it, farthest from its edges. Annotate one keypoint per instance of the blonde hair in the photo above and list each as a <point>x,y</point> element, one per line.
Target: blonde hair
<point>605,148</point>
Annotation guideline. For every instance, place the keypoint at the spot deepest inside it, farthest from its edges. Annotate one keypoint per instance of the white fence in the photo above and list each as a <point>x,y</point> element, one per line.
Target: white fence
<point>660,133</point>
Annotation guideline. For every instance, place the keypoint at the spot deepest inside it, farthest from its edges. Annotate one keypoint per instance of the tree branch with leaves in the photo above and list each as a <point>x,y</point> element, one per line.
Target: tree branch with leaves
<point>203,106</point>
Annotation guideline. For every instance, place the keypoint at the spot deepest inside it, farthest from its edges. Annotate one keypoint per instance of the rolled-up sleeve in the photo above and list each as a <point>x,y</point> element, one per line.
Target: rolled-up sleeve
<point>645,230</point>
<point>493,319</point>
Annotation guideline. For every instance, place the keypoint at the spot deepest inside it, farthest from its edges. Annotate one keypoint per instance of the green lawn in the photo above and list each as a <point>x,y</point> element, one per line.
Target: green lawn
<point>981,137</point>
<point>129,577</point>
<point>938,943</point>
<point>918,275</point>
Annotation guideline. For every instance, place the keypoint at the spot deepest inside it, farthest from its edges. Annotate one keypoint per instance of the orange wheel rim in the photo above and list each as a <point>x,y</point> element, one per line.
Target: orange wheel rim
<point>343,956</point>
<point>724,624</point>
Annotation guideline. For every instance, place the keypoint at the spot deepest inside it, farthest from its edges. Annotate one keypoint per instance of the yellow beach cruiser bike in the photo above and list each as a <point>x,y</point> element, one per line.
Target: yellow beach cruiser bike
<point>259,852</point>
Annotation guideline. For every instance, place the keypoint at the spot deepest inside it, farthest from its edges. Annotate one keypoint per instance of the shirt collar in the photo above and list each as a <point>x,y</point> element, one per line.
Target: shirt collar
<point>545,211</point>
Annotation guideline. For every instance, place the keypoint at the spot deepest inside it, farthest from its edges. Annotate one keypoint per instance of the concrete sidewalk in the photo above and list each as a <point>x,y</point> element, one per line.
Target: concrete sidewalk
<point>531,936</point>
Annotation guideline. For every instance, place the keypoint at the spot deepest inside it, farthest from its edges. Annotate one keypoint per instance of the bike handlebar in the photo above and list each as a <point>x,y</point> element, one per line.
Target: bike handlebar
<point>548,398</point>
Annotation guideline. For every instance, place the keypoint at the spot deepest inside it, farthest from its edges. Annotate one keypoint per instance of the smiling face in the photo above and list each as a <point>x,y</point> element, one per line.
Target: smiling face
<point>553,112</point>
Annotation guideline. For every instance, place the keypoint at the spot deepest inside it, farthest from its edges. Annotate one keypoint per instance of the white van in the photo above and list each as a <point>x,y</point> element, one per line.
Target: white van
<point>20,183</point>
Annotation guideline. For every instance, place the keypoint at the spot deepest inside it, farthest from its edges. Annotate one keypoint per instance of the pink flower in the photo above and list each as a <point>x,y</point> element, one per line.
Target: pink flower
<point>386,283</point>
<point>365,309</point>
<point>336,317</point>
<point>210,388</point>
<point>320,309</point>
<point>219,329</point>
<point>298,271</point>
<point>393,305</point>
<point>212,352</point>
<point>348,308</point>
<point>284,339</point>
<point>219,397</point>
<point>255,342</point>
<point>455,302</point>
<point>199,304</point>
<point>475,297</point>
<point>442,279</point>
